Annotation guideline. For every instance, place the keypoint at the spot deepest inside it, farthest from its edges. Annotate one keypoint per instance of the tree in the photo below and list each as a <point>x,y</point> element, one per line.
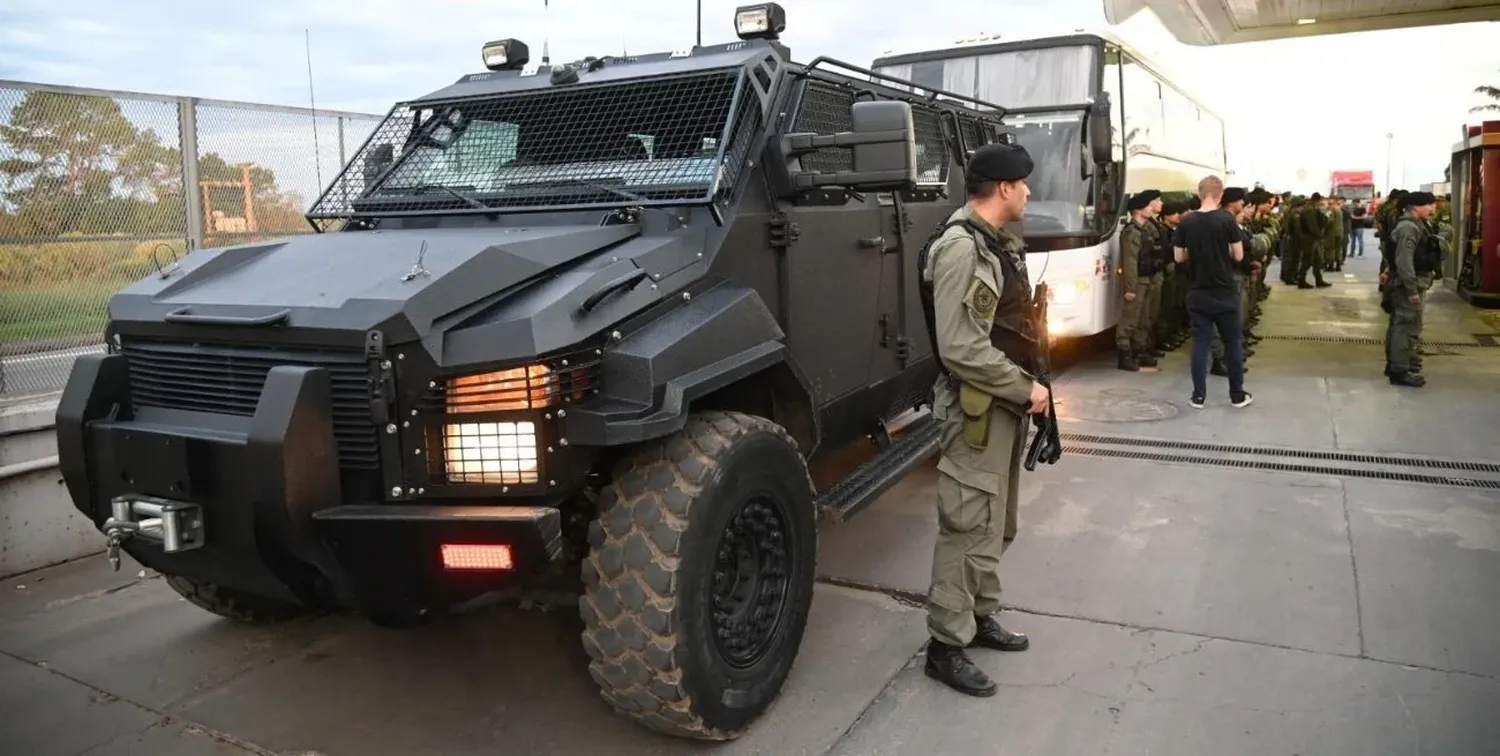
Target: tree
<point>74,164</point>
<point>1493,93</point>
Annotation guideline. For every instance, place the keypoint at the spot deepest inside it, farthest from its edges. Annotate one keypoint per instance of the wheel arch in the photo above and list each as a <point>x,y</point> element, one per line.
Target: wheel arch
<point>721,350</point>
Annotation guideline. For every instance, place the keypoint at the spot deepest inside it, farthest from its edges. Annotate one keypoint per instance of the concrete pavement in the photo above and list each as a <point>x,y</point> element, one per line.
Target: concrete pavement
<point>1315,574</point>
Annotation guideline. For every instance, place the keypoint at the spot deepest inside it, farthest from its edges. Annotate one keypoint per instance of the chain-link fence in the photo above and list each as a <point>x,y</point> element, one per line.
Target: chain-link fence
<point>99,187</point>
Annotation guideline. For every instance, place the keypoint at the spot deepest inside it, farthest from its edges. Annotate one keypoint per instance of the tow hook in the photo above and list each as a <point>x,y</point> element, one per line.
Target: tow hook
<point>176,525</point>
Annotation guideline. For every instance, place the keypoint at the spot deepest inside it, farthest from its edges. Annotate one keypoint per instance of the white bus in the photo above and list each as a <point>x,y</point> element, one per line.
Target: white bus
<point>1163,139</point>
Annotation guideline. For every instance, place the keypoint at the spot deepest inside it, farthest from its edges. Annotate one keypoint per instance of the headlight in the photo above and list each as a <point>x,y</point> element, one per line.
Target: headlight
<point>495,453</point>
<point>486,431</point>
<point>1068,292</point>
<point>522,388</point>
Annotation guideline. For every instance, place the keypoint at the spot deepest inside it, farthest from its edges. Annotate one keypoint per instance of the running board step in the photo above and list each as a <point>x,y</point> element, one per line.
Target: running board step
<point>917,443</point>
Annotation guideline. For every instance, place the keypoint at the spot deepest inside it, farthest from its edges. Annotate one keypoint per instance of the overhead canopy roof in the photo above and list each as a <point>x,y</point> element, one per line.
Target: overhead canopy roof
<point>1225,22</point>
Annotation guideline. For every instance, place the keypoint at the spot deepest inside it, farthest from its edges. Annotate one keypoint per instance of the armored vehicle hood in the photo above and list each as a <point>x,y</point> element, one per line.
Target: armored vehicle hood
<point>402,281</point>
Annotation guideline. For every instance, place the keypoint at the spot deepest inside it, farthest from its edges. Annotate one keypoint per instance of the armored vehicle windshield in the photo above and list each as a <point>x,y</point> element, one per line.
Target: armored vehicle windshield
<point>599,132</point>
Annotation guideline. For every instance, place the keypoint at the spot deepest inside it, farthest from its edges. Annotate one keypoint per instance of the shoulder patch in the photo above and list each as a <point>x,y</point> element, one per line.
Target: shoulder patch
<point>984,299</point>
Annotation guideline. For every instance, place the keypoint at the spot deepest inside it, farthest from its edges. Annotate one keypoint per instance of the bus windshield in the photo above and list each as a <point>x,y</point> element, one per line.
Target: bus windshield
<point>1025,79</point>
<point>1012,79</point>
<point>1059,194</point>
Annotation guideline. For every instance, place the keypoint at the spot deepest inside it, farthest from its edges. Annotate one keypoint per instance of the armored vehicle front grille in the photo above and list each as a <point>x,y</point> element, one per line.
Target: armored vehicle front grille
<point>228,380</point>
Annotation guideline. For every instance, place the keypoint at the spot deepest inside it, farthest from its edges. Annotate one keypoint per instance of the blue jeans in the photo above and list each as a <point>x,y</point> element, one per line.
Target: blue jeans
<point>1208,315</point>
<point>1356,241</point>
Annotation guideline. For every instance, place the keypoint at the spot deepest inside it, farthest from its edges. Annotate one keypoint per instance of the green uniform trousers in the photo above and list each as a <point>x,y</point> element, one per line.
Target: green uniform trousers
<point>1169,322</point>
<point>1312,260</point>
<point>1131,334</point>
<point>1291,262</point>
<point>1151,310</point>
<point>978,508</point>
<point>1403,336</point>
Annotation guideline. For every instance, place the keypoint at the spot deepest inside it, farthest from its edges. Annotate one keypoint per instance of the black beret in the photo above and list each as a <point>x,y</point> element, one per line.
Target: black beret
<point>1233,194</point>
<point>1173,208</point>
<point>1195,203</point>
<point>1140,200</point>
<point>1418,199</point>
<point>999,162</point>
<point>1260,197</point>
<point>1316,197</point>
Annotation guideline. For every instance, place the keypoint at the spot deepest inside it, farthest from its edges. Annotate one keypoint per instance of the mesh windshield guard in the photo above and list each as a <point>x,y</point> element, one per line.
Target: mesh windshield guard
<point>672,140</point>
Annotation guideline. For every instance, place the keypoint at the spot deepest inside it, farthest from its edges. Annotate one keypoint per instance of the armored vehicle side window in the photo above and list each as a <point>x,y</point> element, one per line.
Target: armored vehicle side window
<point>825,110</point>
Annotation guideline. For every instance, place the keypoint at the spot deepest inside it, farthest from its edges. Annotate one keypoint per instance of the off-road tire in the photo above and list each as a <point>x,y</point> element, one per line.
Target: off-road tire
<point>650,579</point>
<point>234,604</point>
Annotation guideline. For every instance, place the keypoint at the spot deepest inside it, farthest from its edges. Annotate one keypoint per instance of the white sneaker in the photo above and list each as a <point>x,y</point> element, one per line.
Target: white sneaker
<point>1244,402</point>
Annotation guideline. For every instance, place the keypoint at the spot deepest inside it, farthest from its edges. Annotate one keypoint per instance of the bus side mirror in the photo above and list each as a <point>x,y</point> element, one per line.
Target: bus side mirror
<point>1101,131</point>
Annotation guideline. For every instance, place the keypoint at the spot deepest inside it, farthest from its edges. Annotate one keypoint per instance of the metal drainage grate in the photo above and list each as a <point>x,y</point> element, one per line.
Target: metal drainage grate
<point>1271,451</point>
<point>1480,340</point>
<point>1439,480</point>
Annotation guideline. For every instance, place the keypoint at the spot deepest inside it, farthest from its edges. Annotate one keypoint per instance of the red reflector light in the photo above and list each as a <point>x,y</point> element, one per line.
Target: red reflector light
<point>458,556</point>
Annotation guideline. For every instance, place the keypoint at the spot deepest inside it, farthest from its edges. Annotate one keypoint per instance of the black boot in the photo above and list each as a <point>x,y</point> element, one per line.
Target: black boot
<point>1127,361</point>
<point>950,666</point>
<point>1146,359</point>
<point>991,635</point>
<point>1413,380</point>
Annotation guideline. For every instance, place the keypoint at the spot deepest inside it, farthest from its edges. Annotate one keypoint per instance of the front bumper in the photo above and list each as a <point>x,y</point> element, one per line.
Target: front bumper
<point>275,520</point>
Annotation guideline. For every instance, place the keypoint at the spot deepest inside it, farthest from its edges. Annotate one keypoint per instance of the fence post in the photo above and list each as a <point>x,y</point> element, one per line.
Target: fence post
<point>187,127</point>
<point>341,148</point>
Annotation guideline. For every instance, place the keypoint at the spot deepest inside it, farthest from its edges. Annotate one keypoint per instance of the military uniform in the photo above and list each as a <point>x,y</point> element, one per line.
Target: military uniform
<point>1333,238</point>
<point>1291,232</point>
<point>1312,223</point>
<point>1386,216</point>
<point>978,295</point>
<point>1415,257</point>
<point>1172,315</point>
<point>1139,258</point>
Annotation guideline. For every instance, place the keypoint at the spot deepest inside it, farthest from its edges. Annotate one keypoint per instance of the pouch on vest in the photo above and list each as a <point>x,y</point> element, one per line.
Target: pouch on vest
<point>976,408</point>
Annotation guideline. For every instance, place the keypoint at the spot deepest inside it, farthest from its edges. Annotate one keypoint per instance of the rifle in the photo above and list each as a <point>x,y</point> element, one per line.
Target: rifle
<point>1045,444</point>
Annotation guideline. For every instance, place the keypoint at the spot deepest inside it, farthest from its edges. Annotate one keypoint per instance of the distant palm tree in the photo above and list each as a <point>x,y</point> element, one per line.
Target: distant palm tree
<point>1493,93</point>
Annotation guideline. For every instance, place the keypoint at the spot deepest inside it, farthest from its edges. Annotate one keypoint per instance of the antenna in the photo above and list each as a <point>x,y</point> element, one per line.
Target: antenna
<point>313,106</point>
<point>546,6</point>
<point>700,25</point>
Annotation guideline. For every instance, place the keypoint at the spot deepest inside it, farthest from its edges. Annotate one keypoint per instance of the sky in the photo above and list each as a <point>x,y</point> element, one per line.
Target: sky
<point>1294,108</point>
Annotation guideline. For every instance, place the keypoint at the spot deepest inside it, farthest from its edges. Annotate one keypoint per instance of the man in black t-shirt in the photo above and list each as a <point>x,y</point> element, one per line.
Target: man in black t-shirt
<point>1211,242</point>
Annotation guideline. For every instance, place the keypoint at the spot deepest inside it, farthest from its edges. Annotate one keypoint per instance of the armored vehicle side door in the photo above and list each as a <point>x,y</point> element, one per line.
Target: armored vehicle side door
<point>835,263</point>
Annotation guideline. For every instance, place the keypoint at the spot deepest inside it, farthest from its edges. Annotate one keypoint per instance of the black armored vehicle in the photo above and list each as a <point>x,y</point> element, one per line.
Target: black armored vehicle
<point>593,319</point>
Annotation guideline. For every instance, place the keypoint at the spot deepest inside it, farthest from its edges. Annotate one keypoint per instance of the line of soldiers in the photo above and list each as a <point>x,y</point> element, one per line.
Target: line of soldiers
<point>1153,316</point>
<point>1315,239</point>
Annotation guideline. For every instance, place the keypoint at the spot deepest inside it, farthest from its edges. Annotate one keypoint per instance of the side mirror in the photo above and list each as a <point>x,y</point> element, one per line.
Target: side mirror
<point>883,141</point>
<point>885,153</point>
<point>1101,131</point>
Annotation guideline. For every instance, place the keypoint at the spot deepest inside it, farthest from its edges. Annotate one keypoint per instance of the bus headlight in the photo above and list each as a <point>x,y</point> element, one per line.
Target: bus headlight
<point>1067,293</point>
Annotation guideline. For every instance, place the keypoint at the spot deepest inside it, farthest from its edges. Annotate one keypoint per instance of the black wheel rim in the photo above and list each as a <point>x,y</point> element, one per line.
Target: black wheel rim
<point>751,578</point>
